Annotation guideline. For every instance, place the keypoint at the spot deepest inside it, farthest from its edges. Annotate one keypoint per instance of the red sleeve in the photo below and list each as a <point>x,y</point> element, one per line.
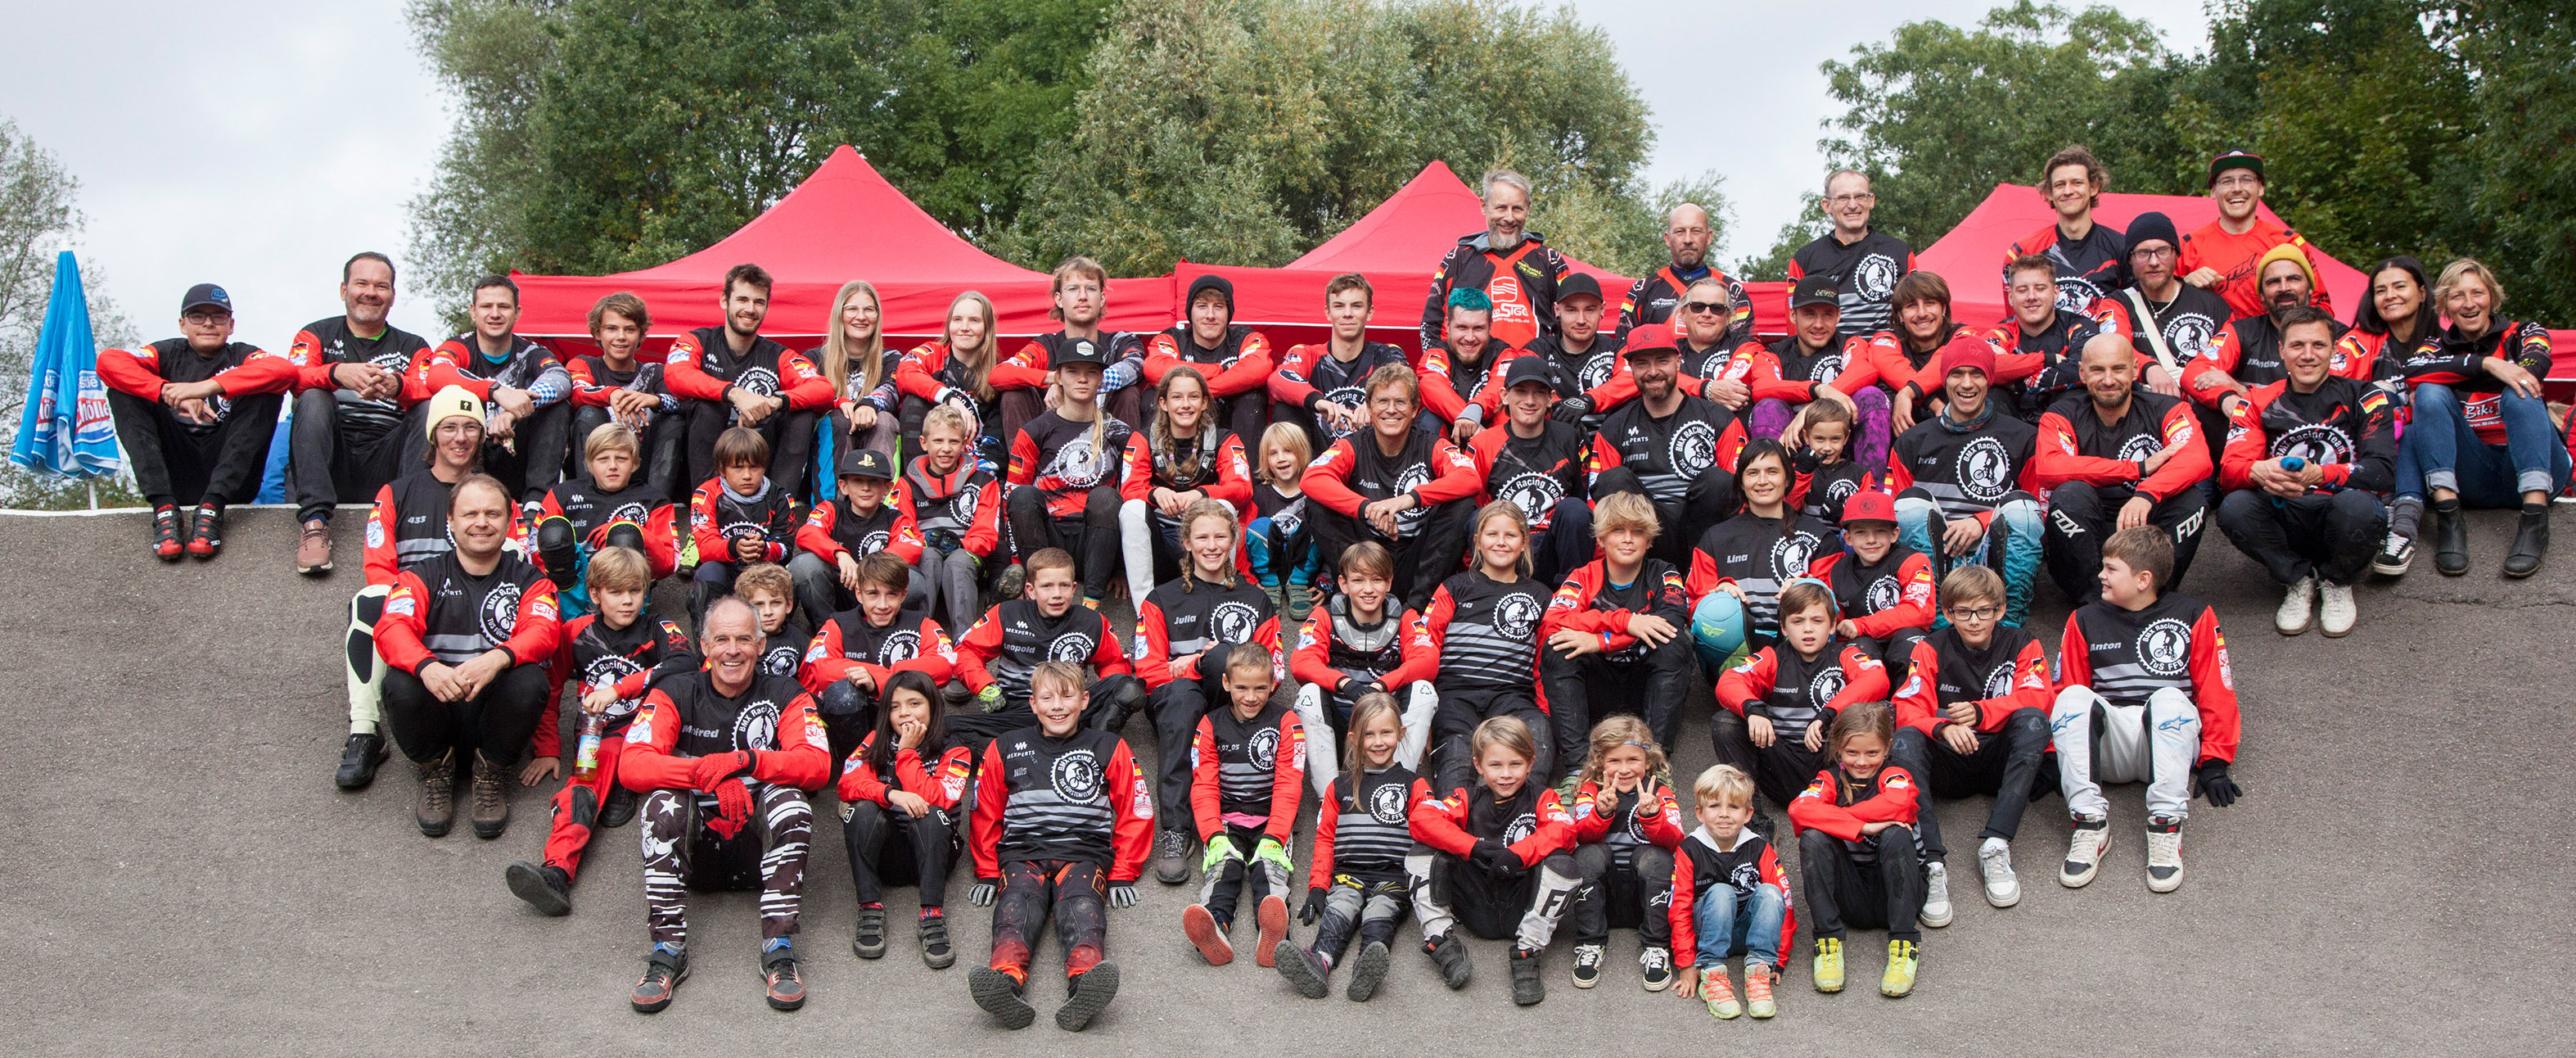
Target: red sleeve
<point>1133,836</point>
<point>438,370</point>
<point>1233,482</point>
<point>805,386</point>
<point>586,390</point>
<point>1110,658</point>
<point>398,631</point>
<point>1421,659</point>
<point>1025,369</point>
<point>912,373</point>
<point>1435,622</point>
<point>1864,680</point>
<point>2011,363</point>
<point>1685,926</point>
<point>1138,481</point>
<point>2246,443</point>
<point>661,541</point>
<point>1555,831</point>
<point>984,836</point>
<point>536,633</point>
<point>2213,683</point>
<point>646,764</point>
<point>1895,802</point>
<point>682,375</point>
<point>824,663</point>
<point>1455,476</point>
<point>312,365</point>
<point>1162,354</point>
<point>702,523</point>
<point>1287,780</point>
<point>1439,393</point>
<point>2055,459</point>
<point>986,532</point>
<point>2189,465</point>
<point>981,644</point>
<point>1615,390</point>
<point>1154,664</point>
<point>1591,816</point>
<point>815,536</point>
<point>1441,823</point>
<point>1763,377</point>
<point>1918,703</point>
<point>1207,799</point>
<point>1312,661</point>
<point>904,540</point>
<point>2074,656</point>
<point>1704,576</point>
<point>1289,384</point>
<point>2029,690</point>
<point>1749,682</point>
<point>1025,458</point>
<point>860,783</point>
<point>1663,825</point>
<point>1327,479</point>
<point>382,562</point>
<point>2220,357</point>
<point>1251,370</point>
<point>547,740</point>
<point>261,372</point>
<point>1328,817</point>
<point>1814,809</point>
<point>133,373</point>
<point>803,758</point>
<point>950,781</point>
<point>935,658</point>
<point>1914,605</point>
<point>1861,362</point>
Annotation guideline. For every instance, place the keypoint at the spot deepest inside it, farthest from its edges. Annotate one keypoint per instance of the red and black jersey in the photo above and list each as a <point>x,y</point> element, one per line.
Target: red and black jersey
<point>1647,815</point>
<point>718,516</point>
<point>2049,362</point>
<point>1521,282</point>
<point>2076,445</point>
<point>593,381</point>
<point>686,717</point>
<point>1751,552</point>
<point>2459,362</point>
<point>2367,357</point>
<point>1450,385</point>
<point>702,366</point>
<point>1700,865</point>
<point>1188,616</point>
<point>1893,363</point>
<point>1787,370</point>
<point>1719,361</point>
<point>2189,323</point>
<point>241,367</point>
<point>1028,368</point>
<point>1839,804</point>
<point>962,508</point>
<point>1792,691</point>
<point>1354,473</point>
<point>2234,256</point>
<point>2088,269</point>
<point>1882,599</point>
<point>2126,655</point>
<point>1486,631</point>
<point>847,643</point>
<point>439,611</point>
<point>932,372</point>
<point>2249,351</point>
<point>1060,458</point>
<point>1821,490</point>
<point>1079,797</point>
<point>783,649</point>
<point>1654,299</point>
<point>1363,828</point>
<point>1532,821</point>
<point>593,655</point>
<point>938,777</point>
<point>1668,453</point>
<point>1212,462</point>
<point>1535,473</point>
<point>460,362</point>
<point>407,526</point>
<point>1864,272</point>
<point>1579,372</point>
<point>1310,375</point>
<point>1588,602</point>
<point>1967,470</point>
<point>2345,428</point>
<point>1239,364</point>
<point>1333,647</point>
<point>2009,673</point>
<point>324,344</point>
<point>1248,774</point>
<point>1015,636</point>
<point>836,528</point>
<point>591,511</point>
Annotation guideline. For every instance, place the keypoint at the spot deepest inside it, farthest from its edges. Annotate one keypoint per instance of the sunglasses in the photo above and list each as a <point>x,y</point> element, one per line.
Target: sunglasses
<point>1706,306</point>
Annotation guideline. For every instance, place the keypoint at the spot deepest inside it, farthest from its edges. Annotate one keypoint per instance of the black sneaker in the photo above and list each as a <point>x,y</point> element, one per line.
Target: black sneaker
<point>1527,989</point>
<point>546,888</point>
<point>207,539</point>
<point>358,761</point>
<point>1172,857</point>
<point>1000,996</point>
<point>1302,969</point>
<point>1452,959</point>
<point>786,988</point>
<point>870,943</point>
<point>620,809</point>
<point>1587,965</point>
<point>2396,554</point>
<point>1368,971</point>
<point>663,972</point>
<point>935,952</point>
<point>165,534</point>
<point>1091,994</point>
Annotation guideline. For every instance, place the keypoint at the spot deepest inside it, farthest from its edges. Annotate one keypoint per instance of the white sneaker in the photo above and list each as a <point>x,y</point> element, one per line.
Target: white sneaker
<point>1655,967</point>
<point>2164,855</point>
<point>1994,860</point>
<point>2298,608</point>
<point>1936,895</point>
<point>2335,611</point>
<point>2084,852</point>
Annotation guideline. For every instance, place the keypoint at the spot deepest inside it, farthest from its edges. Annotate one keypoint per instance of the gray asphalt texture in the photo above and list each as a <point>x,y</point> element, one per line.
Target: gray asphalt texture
<point>182,877</point>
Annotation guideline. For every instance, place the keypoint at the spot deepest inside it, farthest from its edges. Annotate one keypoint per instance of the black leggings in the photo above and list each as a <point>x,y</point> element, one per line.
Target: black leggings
<point>1075,891</point>
<point>1621,882</point>
<point>929,845</point>
<point>496,723</point>
<point>1092,538</point>
<point>1647,682</point>
<point>2005,764</point>
<point>1841,891</point>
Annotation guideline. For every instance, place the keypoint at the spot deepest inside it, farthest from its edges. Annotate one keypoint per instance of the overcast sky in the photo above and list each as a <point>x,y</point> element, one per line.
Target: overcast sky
<point>258,145</point>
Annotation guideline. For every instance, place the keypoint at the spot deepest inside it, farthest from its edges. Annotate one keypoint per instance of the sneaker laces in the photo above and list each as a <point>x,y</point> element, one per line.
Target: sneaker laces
<point>2164,847</point>
<point>1656,959</point>
<point>1995,860</point>
<point>1176,845</point>
<point>1587,955</point>
<point>1757,983</point>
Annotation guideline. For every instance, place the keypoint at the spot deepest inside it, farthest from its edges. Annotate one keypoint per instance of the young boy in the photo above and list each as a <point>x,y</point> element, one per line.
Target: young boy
<point>855,652</point>
<point>1882,586</point>
<point>1972,718</point>
<point>2145,694</point>
<point>771,591</point>
<point>1244,792</point>
<point>1062,820</point>
<point>1826,475</point>
<point>1354,645</point>
<point>1789,692</point>
<point>853,526</point>
<point>613,654</point>
<point>1613,634</point>
<point>1729,895</point>
<point>957,509</point>
<point>611,506</point>
<point>738,518</point>
<point>997,656</point>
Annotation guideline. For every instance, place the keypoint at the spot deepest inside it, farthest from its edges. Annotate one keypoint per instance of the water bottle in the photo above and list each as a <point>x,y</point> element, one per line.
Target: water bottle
<point>585,760</point>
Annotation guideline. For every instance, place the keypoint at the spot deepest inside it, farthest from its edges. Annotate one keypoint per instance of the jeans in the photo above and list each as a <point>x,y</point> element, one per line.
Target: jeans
<point>2016,520</point>
<point>2450,454</point>
<point>1728,922</point>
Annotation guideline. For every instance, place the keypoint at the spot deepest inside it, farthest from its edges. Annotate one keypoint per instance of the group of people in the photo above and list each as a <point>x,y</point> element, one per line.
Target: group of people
<point>1503,559</point>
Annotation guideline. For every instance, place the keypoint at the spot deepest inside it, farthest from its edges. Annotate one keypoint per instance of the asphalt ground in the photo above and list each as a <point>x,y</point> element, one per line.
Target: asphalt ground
<point>182,878</point>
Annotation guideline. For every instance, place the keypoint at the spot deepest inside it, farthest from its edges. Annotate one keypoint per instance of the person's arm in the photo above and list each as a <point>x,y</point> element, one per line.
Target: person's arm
<point>825,663</point>
<point>1743,688</point>
<point>2209,377</point>
<point>673,653</point>
<point>815,536</point>
<point>1132,833</point>
<point>1815,809</point>
<point>981,644</point>
<point>1435,622</point>
<point>1442,823</point>
<point>860,783</point>
<point>135,374</point>
<point>552,382</point>
<point>1420,660</point>
<point>1629,304</point>
<point>1918,703</point>
<point>1233,484</point>
<point>935,658</point>
<point>1162,354</point>
<point>903,538</point>
<point>440,368</point>
<point>984,837</point>
<point>2029,689</point>
<point>1454,477</point>
<point>1914,606</point>
<point>1705,576</point>
<point>916,374</point>
<point>2074,656</point>
<point>1313,660</point>
<point>802,385</point>
<point>1896,800</point>
<point>1864,680</point>
<point>1861,358</point>
<point>646,764</point>
<point>1026,458</point>
<point>586,390</point>
<point>661,540</point>
<point>1327,479</point>
<point>949,782</point>
<point>1137,483</point>
<point>2213,686</point>
<point>1154,663</point>
<point>2189,464</point>
<point>1109,656</point>
<point>538,629</point>
<point>2246,443</point>
<point>1763,378</point>
<point>683,375</point>
<point>382,561</point>
<point>1025,369</point>
<point>1251,369</point>
<point>1328,818</point>
<point>1592,812</point>
<point>1555,831</point>
<point>985,535</point>
<point>1618,389</point>
<point>1290,384</point>
<point>260,372</point>
<point>703,527</point>
<point>803,758</point>
<point>1207,794</point>
<point>1287,781</point>
<point>1663,825</point>
<point>2056,459</point>
<point>1683,919</point>
<point>406,617</point>
<point>2374,456</point>
<point>1439,393</point>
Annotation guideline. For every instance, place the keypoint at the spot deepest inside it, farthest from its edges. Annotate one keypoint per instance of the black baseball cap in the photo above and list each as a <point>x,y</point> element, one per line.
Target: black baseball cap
<point>1080,351</point>
<point>1814,290</point>
<point>866,463</point>
<point>2236,159</point>
<point>202,295</point>
<point>1527,368</point>
<point>1576,284</point>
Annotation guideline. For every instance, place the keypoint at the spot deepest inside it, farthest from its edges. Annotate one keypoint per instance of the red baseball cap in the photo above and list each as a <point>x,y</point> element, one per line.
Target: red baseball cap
<point>1869,505</point>
<point>1968,351</point>
<point>1649,339</point>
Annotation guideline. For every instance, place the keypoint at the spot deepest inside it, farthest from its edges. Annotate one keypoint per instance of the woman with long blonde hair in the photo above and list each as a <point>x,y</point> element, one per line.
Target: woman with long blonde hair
<point>958,369</point>
<point>1182,458</point>
<point>861,368</point>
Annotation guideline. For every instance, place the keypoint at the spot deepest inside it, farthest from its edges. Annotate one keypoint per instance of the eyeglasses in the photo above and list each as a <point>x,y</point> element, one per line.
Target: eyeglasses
<point>2230,182</point>
<point>1853,200</point>
<point>1982,613</point>
<point>1706,306</point>
<point>206,319</point>
<point>2153,254</point>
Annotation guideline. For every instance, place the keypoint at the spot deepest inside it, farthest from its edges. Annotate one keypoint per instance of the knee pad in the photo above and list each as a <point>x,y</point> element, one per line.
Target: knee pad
<point>1717,628</point>
<point>585,807</point>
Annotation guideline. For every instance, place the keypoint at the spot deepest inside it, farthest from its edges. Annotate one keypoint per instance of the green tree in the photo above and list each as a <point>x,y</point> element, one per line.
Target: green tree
<point>2523,148</point>
<point>39,216</point>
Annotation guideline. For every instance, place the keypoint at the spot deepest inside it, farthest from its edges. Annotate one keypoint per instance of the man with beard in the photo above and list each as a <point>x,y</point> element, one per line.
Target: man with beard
<point>1234,358</point>
<point>1512,266</point>
<point>2091,260</point>
<point>1862,264</point>
<point>1318,386</point>
<point>527,421</point>
<point>1687,234</point>
<point>1456,369</point>
<point>1800,369</point>
<point>1965,480</point>
<point>1670,447</point>
<point>2113,458</point>
<point>2248,352</point>
<point>352,433</point>
<point>2225,255</point>
<point>2306,458</point>
<point>731,376</point>
<point>2041,336</point>
<point>2170,322</point>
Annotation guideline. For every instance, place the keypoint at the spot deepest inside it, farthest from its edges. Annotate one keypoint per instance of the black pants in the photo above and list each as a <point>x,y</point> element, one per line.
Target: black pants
<point>1623,885</point>
<point>177,465</point>
<point>1841,891</point>
<point>1075,891</point>
<point>1092,538</point>
<point>1178,707</point>
<point>2081,515</point>
<point>534,459</point>
<point>1456,717</point>
<point>1110,697</point>
<point>1436,548</point>
<point>664,463</point>
<point>1245,875</point>
<point>2326,535</point>
<point>1649,684</point>
<point>1523,905</point>
<point>329,461</point>
<point>496,722</point>
<point>929,844</point>
<point>2005,764</point>
<point>1709,500</point>
<point>1368,905</point>
<point>1781,769</point>
<point>790,434</point>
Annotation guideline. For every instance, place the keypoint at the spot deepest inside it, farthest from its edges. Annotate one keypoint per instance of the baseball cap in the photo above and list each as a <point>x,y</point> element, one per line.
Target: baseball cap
<point>1576,285</point>
<point>453,402</point>
<point>866,463</point>
<point>1968,351</point>
<point>1647,340</point>
<point>1080,351</point>
<point>1814,290</point>
<point>1530,368</point>
<point>205,294</point>
<point>2236,159</point>
<point>1869,505</point>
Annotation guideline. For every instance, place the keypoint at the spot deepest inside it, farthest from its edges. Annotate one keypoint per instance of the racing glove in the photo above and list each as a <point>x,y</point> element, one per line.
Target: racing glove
<point>1571,409</point>
<point>1495,856</point>
<point>1219,849</point>
<point>2215,785</point>
<point>1314,908</point>
<point>990,698</point>
<point>1122,894</point>
<point>733,809</point>
<point>981,893</point>
<point>707,772</point>
<point>1271,852</point>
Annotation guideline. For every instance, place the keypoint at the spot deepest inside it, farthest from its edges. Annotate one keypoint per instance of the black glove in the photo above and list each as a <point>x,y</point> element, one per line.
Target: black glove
<point>1806,462</point>
<point>1314,908</point>
<point>2215,785</point>
<point>1495,856</point>
<point>1571,409</point>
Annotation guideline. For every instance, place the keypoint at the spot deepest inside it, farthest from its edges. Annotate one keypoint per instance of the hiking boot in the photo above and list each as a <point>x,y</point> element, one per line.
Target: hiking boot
<point>1829,964</point>
<point>2450,538</point>
<point>778,971</point>
<point>2335,610</point>
<point>1452,959</point>
<point>1206,935</point>
<point>1000,995</point>
<point>1994,860</point>
<point>870,943</point>
<point>2395,554</point>
<point>935,952</point>
<point>437,795</point>
<point>546,888</point>
<point>1007,586</point>
<point>1527,989</point>
<point>619,809</point>
<point>1936,895</point>
<point>1758,979</point>
<point>1369,970</point>
<point>2530,542</point>
<point>1587,965</point>
<point>663,972</point>
<point>1898,981</point>
<point>2084,852</point>
<point>1091,994</point>
<point>1302,969</point>
<point>1272,918</point>
<point>165,534</point>
<point>207,539</point>
<point>313,559</point>
<point>358,760</point>
<point>1720,993</point>
<point>2298,608</point>
<point>1656,964</point>
<point>491,811</point>
<point>2164,855</point>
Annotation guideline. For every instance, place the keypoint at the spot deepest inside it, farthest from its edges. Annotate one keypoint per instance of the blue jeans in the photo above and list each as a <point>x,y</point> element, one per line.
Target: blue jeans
<point>2016,522</point>
<point>2447,454</point>
<point>1727,924</point>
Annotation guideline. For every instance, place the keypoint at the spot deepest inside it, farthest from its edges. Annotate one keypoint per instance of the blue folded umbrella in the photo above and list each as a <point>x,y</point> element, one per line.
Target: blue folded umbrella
<point>65,430</point>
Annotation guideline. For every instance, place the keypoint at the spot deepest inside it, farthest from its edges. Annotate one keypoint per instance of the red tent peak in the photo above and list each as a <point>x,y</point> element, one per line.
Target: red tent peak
<point>845,221</point>
<point>1407,232</point>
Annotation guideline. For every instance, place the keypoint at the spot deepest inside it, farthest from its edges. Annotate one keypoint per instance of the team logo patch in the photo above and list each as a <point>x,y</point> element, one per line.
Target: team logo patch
<point>962,505</point>
<point>1413,477</point>
<point>1522,826</point>
<point>1076,776</point>
<point>629,511</point>
<point>901,646</point>
<point>1262,748</point>
<point>756,726</point>
<point>375,534</point>
<point>1076,647</point>
<point>1744,877</point>
<point>1386,804</point>
<point>1999,682</point>
<point>1516,616</point>
<point>1693,448</point>
<point>2316,443</point>
<point>1535,494</point>
<point>1596,369</point>
<point>1792,554</point>
<point>873,542</point>
<point>2139,446</point>
<point>1824,368</point>
<point>1825,684</point>
<point>500,612</point>
<point>1841,489</point>
<point>781,660</point>
<point>1984,470</point>
<point>606,669</point>
<point>759,380</point>
<point>2189,334</point>
<point>1874,278</point>
<point>2164,647</point>
<point>1348,397</point>
<point>1883,593</point>
<point>1076,464</point>
<point>1232,622</point>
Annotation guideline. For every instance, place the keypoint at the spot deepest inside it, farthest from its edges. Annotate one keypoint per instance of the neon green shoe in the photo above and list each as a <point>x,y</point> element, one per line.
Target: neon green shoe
<point>1829,964</point>
<point>1898,981</point>
<point>1720,994</point>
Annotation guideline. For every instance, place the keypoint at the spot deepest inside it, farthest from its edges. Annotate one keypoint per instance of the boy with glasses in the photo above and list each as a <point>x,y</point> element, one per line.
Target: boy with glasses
<point>1972,719</point>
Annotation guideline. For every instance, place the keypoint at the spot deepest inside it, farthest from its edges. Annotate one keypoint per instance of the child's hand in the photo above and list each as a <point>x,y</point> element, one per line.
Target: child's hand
<point>1815,739</point>
<point>1271,852</point>
<point>1757,729</point>
<point>1847,629</point>
<point>1870,830</point>
<point>1686,984</point>
<point>599,699</point>
<point>538,770</point>
<point>1219,851</point>
<point>909,803</point>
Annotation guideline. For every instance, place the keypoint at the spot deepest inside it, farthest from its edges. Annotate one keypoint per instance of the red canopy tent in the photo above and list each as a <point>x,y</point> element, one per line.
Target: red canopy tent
<point>844,222</point>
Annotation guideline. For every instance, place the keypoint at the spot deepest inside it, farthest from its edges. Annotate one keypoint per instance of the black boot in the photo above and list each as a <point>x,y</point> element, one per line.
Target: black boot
<point>546,888</point>
<point>358,760</point>
<point>1452,959</point>
<point>2451,541</point>
<point>1527,989</point>
<point>620,808</point>
<point>2530,541</point>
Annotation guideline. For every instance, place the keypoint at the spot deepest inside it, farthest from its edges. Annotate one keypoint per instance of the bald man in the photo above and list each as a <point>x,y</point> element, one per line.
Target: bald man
<point>1687,235</point>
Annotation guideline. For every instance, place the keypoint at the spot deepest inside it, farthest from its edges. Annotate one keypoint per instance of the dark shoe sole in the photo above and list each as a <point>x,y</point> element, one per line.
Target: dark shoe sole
<point>860,947</point>
<point>1292,965</point>
<point>354,781</point>
<point>939,960</point>
<point>1368,971</point>
<point>488,831</point>
<point>1200,926</point>
<point>2509,571</point>
<point>1099,986</point>
<point>656,1006</point>
<point>434,829</point>
<point>1273,919</point>
<point>1000,996</point>
<point>779,1002</point>
<point>528,882</point>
